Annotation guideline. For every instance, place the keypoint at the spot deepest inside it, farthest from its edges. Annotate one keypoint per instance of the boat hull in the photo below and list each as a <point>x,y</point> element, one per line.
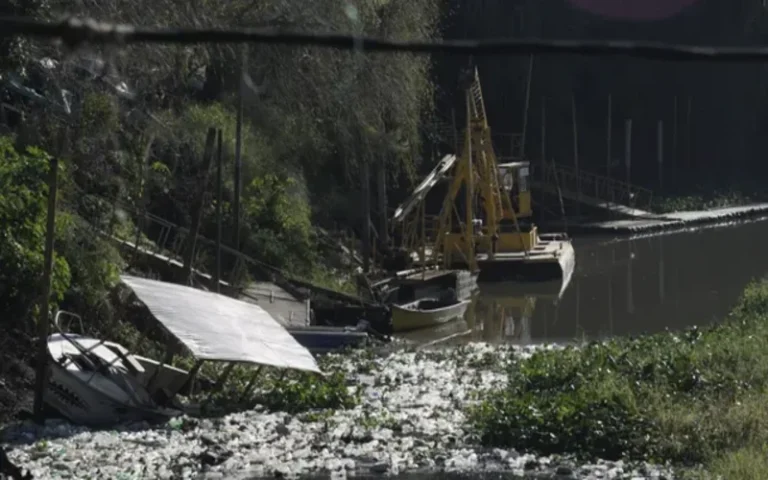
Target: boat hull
<point>327,339</point>
<point>555,261</point>
<point>406,319</point>
<point>100,397</point>
<point>82,404</point>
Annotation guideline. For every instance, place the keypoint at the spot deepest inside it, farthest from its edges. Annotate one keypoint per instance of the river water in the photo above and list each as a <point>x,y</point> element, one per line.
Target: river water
<point>624,287</point>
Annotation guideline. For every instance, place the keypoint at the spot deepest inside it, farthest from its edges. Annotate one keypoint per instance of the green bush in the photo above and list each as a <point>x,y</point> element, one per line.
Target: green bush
<point>688,397</point>
<point>23,214</point>
<point>85,266</point>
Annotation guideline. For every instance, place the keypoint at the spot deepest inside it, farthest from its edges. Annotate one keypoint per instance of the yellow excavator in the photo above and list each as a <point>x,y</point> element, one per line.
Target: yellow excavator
<point>495,235</point>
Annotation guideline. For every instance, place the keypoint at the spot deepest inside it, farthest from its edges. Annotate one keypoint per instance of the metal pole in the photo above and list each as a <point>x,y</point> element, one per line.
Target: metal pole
<point>220,155</point>
<point>43,325</point>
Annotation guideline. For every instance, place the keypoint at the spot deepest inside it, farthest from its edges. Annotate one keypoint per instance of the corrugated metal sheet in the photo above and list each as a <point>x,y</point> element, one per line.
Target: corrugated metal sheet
<point>219,328</point>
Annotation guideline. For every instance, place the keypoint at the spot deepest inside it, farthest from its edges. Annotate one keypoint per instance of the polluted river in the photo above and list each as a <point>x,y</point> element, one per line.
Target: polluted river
<point>625,287</point>
<point>411,420</point>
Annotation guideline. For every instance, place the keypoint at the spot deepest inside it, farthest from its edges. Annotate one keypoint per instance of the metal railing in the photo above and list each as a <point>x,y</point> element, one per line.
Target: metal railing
<point>575,184</point>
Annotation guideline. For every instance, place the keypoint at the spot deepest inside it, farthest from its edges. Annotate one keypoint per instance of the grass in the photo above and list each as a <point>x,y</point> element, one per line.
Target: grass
<point>697,399</point>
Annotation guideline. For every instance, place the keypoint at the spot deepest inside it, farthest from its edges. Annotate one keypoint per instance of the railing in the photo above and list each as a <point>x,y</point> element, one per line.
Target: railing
<point>587,185</point>
<point>169,243</point>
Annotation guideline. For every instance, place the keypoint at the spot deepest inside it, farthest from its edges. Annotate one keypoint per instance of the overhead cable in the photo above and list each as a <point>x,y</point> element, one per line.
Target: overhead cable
<point>76,32</point>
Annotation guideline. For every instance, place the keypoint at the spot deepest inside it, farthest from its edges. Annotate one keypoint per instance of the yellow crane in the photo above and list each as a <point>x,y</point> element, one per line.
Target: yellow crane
<point>495,235</point>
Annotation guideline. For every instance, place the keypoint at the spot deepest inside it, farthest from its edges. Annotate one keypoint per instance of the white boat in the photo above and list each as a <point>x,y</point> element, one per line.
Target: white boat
<point>93,382</point>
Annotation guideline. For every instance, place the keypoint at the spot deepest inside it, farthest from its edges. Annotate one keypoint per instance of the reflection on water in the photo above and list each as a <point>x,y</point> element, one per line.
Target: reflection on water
<point>628,287</point>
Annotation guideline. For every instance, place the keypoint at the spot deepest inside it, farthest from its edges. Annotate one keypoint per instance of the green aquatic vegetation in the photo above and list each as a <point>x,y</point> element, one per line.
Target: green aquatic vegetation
<point>693,397</point>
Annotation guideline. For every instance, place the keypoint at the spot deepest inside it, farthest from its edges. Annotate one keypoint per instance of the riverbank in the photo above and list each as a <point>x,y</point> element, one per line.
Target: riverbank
<point>694,399</point>
<point>671,221</point>
<point>411,418</point>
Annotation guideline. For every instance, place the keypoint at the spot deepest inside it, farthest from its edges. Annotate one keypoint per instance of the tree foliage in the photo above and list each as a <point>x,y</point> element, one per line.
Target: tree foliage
<point>311,115</point>
<point>85,267</point>
<point>23,207</point>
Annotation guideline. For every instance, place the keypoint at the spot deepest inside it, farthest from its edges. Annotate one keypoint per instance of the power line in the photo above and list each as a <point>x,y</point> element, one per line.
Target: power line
<point>76,32</point>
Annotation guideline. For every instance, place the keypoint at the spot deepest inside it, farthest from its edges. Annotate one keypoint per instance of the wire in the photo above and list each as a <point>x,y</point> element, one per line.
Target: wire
<point>75,32</point>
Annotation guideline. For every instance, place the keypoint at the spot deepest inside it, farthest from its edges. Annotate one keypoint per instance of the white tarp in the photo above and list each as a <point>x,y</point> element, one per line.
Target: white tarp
<point>219,328</point>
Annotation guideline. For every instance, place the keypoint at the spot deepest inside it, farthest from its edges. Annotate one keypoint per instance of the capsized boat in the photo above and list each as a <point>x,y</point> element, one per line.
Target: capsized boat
<point>96,382</point>
<point>93,382</point>
<point>426,313</point>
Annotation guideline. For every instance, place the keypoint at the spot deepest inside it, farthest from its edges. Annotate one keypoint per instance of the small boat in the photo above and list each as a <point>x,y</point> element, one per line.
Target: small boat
<point>425,313</point>
<point>321,339</point>
<point>94,382</point>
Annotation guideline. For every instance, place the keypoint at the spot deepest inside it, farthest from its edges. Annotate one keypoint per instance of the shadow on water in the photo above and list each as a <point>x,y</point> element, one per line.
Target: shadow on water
<point>629,287</point>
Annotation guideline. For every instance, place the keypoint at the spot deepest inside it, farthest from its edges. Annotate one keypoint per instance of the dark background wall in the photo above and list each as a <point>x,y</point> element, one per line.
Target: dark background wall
<point>727,100</point>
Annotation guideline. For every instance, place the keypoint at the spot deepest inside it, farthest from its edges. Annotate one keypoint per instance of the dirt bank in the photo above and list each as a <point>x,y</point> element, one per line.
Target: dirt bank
<point>17,377</point>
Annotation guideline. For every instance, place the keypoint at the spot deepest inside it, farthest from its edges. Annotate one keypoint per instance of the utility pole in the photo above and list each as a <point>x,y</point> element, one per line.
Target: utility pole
<point>43,321</point>
<point>239,146</point>
<point>219,161</point>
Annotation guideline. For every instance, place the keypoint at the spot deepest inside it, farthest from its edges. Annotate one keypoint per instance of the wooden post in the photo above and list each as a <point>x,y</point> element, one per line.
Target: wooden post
<point>43,321</point>
<point>660,151</point>
<point>197,208</point>
<point>527,105</point>
<point>239,147</point>
<point>609,140</point>
<point>366,221</point>
<point>628,148</point>
<point>543,138</point>
<point>219,161</point>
